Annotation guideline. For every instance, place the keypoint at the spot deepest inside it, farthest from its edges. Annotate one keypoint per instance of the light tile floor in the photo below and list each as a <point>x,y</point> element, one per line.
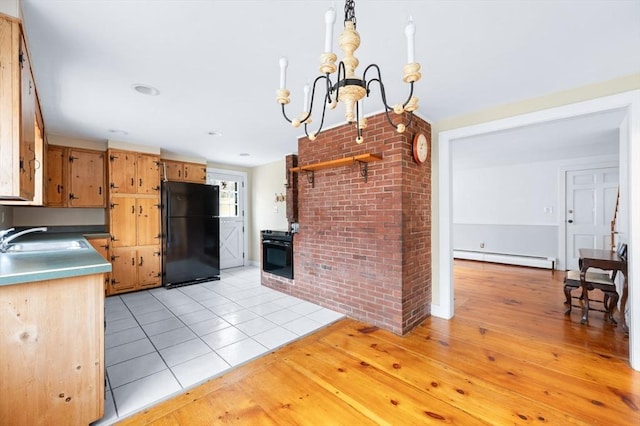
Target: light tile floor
<point>161,342</point>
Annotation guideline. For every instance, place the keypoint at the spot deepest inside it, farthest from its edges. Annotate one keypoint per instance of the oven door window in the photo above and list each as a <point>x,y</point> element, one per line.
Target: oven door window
<point>277,258</point>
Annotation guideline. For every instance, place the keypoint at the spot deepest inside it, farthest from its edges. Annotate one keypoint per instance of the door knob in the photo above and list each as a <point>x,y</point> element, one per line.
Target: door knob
<point>570,221</point>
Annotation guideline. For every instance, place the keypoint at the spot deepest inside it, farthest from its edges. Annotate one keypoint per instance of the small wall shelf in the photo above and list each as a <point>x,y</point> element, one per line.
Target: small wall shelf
<point>363,160</point>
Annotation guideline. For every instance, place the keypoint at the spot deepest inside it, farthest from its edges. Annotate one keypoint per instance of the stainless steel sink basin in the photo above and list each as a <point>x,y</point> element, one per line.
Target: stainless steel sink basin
<point>47,246</point>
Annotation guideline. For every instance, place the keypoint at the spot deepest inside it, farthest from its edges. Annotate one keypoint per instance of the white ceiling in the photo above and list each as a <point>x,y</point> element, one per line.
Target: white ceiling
<point>583,136</point>
<point>216,63</point>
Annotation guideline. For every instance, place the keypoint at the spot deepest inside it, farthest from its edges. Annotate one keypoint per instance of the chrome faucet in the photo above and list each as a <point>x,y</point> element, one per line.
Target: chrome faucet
<point>5,238</point>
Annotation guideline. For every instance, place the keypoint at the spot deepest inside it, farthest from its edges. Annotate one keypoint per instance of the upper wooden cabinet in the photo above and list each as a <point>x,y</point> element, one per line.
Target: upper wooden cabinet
<point>18,162</point>
<point>184,172</point>
<point>56,182</point>
<point>75,177</point>
<point>133,173</point>
<point>148,174</point>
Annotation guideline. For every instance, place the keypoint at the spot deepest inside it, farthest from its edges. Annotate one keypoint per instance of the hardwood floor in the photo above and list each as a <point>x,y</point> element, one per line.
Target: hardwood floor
<point>509,356</point>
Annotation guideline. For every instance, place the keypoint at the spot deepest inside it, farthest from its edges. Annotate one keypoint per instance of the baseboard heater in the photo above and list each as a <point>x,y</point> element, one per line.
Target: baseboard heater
<point>509,259</point>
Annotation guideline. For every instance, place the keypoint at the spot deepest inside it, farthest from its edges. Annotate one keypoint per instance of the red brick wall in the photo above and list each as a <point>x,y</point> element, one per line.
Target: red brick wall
<point>364,249</point>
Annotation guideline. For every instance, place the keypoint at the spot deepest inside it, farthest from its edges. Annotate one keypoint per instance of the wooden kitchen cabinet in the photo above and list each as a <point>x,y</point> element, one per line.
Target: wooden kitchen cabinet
<point>135,268</point>
<point>173,170</point>
<point>75,177</point>
<point>147,220</point>
<point>149,266</point>
<point>101,245</point>
<point>124,271</point>
<point>195,173</point>
<point>122,221</point>
<point>122,172</point>
<point>148,174</point>
<point>40,166</point>
<point>18,162</point>
<point>86,178</point>
<point>56,182</point>
<point>52,351</point>
<point>184,172</point>
<point>134,220</point>
<point>133,173</point>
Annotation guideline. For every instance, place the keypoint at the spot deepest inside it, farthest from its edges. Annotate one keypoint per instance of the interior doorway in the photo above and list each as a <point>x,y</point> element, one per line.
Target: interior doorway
<point>629,103</point>
<point>232,215</point>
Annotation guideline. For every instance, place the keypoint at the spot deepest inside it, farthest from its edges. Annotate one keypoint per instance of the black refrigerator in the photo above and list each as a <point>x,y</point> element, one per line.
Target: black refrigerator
<point>190,233</point>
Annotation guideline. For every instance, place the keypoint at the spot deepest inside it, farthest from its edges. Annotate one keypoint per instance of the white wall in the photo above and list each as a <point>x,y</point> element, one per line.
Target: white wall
<point>266,182</point>
<point>509,209</point>
<point>513,195</point>
<point>11,8</point>
<point>515,209</point>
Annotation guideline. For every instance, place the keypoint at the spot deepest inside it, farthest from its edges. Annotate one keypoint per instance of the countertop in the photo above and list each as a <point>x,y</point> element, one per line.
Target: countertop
<point>20,268</point>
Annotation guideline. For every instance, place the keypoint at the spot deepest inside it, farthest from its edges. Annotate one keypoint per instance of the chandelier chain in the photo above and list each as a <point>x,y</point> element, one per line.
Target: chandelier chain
<point>350,11</point>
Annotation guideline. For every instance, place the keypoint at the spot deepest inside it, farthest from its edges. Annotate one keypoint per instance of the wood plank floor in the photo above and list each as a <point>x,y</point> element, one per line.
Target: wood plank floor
<point>509,356</point>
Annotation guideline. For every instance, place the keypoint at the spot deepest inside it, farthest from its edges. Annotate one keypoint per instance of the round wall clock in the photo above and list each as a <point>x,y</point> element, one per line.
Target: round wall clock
<point>420,148</point>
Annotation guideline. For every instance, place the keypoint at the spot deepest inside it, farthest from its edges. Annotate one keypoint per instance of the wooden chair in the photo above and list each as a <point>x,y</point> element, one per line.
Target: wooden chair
<point>604,282</point>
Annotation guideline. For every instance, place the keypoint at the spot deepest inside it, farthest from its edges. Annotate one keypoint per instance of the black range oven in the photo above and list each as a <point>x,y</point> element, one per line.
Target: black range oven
<point>277,253</point>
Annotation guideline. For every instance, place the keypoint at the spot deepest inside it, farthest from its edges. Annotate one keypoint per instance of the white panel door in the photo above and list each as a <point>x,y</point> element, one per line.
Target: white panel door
<point>591,199</point>
<point>231,218</point>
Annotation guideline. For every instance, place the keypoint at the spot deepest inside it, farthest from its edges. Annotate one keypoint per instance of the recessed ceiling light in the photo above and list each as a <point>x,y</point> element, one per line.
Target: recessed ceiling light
<point>244,154</point>
<point>118,132</point>
<point>214,133</point>
<point>145,89</point>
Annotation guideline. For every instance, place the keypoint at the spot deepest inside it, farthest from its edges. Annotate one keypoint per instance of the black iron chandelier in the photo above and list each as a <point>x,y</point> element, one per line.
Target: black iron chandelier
<point>349,88</point>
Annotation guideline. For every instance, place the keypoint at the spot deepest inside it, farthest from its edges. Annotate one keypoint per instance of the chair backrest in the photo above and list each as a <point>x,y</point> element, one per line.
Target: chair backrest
<point>622,251</point>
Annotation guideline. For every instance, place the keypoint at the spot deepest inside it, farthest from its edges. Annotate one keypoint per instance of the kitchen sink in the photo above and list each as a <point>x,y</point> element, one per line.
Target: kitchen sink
<point>47,246</point>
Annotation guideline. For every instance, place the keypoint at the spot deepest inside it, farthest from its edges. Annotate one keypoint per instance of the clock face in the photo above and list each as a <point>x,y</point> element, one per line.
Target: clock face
<point>420,148</point>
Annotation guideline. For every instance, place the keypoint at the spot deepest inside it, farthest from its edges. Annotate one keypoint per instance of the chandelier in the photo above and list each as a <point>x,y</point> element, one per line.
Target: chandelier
<point>349,88</point>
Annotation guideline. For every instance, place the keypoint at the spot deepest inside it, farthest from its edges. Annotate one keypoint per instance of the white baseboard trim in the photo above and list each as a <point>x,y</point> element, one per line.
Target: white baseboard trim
<point>509,259</point>
<point>439,312</point>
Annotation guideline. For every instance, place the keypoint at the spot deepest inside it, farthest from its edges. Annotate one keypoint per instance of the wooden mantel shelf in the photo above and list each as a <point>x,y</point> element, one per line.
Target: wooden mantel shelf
<point>362,159</point>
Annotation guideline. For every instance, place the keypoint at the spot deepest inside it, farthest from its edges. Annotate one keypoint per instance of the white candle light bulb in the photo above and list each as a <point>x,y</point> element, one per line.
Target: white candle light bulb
<point>306,98</point>
<point>283,72</point>
<point>329,19</point>
<point>410,32</point>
